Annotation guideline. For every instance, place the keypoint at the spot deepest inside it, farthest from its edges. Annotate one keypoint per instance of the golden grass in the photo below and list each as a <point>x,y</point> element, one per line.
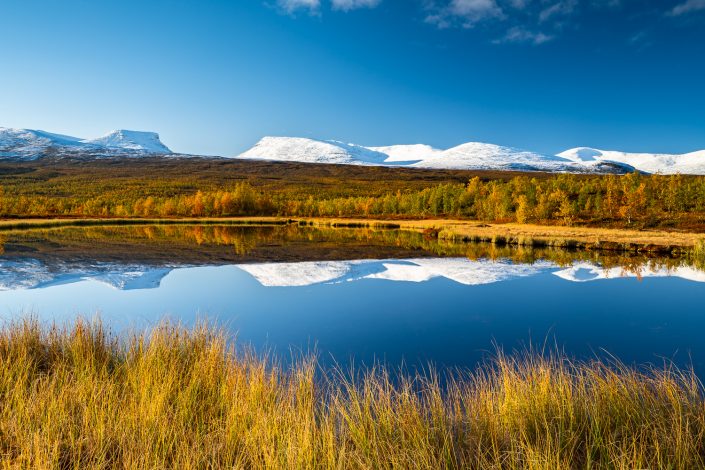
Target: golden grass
<point>177,398</point>
<point>460,229</point>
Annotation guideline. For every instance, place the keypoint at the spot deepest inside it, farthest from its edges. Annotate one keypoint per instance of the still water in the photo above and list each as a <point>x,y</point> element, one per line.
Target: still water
<point>360,295</point>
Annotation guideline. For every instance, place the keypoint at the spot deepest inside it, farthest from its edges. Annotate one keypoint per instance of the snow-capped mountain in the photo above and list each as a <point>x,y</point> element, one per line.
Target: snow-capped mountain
<point>477,156</point>
<point>28,144</point>
<point>131,140</point>
<point>692,163</point>
<point>470,156</point>
<point>298,149</point>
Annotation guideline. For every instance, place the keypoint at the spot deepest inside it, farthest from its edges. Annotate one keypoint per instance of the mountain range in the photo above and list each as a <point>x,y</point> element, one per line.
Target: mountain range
<point>27,144</point>
<point>474,156</point>
<point>469,156</point>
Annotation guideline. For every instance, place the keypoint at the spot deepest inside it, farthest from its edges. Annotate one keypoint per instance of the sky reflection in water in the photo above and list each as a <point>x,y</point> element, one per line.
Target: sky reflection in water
<point>451,311</point>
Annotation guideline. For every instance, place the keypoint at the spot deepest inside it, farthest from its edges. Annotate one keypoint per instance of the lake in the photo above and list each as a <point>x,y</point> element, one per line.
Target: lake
<point>359,294</point>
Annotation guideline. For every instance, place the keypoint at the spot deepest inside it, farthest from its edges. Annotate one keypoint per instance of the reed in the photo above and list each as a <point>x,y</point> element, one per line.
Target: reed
<point>79,397</point>
<point>697,254</point>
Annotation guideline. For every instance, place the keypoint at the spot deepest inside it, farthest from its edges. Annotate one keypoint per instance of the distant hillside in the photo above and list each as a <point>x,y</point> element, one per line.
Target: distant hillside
<point>28,144</point>
<point>469,156</point>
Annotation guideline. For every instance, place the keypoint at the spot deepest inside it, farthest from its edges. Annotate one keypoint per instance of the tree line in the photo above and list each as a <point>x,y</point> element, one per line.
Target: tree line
<point>632,199</point>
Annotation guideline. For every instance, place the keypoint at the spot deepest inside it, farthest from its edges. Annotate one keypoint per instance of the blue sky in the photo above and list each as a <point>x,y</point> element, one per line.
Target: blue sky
<point>212,76</point>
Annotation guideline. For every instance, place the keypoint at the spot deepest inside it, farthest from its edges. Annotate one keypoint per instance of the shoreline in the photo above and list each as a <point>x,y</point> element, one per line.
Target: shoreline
<point>443,229</point>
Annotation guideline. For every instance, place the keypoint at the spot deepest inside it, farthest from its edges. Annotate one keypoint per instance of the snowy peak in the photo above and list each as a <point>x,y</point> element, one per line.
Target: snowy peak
<point>29,144</point>
<point>475,156</point>
<point>424,156</point>
<point>692,163</point>
<point>469,156</point>
<point>479,155</point>
<point>131,140</point>
<point>299,149</point>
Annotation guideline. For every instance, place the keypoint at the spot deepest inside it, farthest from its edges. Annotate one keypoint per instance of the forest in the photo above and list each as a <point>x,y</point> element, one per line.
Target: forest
<point>632,200</point>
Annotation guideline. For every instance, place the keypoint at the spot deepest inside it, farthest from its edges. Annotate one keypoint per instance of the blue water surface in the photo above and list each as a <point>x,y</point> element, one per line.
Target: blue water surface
<point>441,321</point>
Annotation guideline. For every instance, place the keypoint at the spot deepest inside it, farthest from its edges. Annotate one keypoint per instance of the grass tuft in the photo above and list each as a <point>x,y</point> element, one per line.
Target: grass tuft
<point>185,398</point>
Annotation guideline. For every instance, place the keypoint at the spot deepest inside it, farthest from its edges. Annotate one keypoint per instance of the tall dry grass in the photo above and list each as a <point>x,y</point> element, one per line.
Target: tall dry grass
<point>178,398</point>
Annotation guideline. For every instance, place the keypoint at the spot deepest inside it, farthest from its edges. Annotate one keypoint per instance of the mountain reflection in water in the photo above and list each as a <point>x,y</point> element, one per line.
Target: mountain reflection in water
<point>34,274</point>
<point>139,257</point>
<point>359,294</point>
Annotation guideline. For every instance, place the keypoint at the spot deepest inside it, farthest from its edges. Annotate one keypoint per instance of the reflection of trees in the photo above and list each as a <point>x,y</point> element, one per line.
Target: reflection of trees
<point>178,240</point>
<point>697,256</point>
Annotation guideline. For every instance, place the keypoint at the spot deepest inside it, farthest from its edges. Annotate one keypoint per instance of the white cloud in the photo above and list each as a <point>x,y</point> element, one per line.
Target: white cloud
<point>518,34</point>
<point>640,41</point>
<point>561,8</point>
<point>637,38</point>
<point>519,4</point>
<point>523,21</point>
<point>607,3</point>
<point>475,10</point>
<point>290,6</point>
<point>347,5</point>
<point>467,12</point>
<point>688,7</point>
